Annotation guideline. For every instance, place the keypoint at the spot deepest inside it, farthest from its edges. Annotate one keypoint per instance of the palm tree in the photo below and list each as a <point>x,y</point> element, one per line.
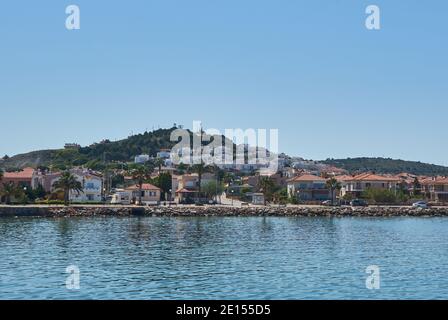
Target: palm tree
<point>266,184</point>
<point>158,162</point>
<point>68,182</point>
<point>10,190</point>
<point>199,169</point>
<point>333,185</point>
<point>141,174</point>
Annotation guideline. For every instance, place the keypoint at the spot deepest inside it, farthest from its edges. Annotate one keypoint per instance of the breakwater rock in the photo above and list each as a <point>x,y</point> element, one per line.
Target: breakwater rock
<point>221,211</point>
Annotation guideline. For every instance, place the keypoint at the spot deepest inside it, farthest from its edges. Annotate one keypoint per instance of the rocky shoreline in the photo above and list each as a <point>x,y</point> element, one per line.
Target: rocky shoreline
<point>219,211</point>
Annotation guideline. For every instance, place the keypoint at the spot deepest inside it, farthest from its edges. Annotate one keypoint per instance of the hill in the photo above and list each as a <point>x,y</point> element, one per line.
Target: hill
<point>97,154</point>
<point>387,165</point>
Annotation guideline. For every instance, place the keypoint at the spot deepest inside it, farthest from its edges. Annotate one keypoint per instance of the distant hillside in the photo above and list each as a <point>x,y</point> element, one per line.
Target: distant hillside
<point>122,150</point>
<point>387,165</point>
<point>95,155</point>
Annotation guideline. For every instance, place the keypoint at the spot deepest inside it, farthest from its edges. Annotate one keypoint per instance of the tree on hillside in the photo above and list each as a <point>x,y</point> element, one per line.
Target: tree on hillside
<point>141,174</point>
<point>66,183</point>
<point>333,185</point>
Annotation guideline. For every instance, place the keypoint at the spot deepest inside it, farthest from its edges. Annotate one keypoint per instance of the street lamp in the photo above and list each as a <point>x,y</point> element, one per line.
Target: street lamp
<point>232,191</point>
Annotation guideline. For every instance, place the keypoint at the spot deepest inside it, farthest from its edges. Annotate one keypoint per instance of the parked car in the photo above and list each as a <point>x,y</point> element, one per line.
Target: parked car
<point>420,204</point>
<point>358,203</point>
<point>326,203</point>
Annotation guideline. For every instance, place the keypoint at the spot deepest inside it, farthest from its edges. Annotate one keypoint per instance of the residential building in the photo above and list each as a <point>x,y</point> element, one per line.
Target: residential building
<point>150,194</point>
<point>435,189</point>
<point>47,179</point>
<point>164,154</point>
<point>356,185</point>
<point>142,158</point>
<point>92,185</point>
<point>308,187</point>
<point>26,178</point>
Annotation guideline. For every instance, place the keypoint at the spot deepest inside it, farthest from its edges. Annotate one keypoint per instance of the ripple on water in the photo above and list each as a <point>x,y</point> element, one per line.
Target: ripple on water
<point>223,258</point>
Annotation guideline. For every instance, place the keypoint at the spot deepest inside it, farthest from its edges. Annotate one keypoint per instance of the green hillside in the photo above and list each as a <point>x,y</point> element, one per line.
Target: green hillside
<point>387,165</point>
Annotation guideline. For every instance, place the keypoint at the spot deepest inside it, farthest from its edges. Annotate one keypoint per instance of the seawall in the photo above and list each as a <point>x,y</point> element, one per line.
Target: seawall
<point>178,211</point>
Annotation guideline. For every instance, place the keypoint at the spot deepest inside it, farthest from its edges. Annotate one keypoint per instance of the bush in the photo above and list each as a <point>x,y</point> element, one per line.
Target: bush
<point>49,202</point>
<point>380,196</point>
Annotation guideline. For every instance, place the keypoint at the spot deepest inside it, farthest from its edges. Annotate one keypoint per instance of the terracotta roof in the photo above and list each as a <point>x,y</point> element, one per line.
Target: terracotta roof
<point>437,180</point>
<point>26,173</point>
<point>307,177</point>
<point>372,177</point>
<point>145,186</point>
<point>344,178</point>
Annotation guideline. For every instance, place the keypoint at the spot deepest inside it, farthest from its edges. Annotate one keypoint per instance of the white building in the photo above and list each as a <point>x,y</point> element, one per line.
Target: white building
<point>92,185</point>
<point>142,158</point>
<point>164,154</point>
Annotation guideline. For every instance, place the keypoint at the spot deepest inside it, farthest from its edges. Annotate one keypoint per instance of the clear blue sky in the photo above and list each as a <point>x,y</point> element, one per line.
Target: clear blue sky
<point>309,68</point>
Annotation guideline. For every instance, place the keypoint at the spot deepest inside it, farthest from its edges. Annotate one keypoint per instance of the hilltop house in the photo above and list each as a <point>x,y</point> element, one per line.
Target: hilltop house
<point>308,187</point>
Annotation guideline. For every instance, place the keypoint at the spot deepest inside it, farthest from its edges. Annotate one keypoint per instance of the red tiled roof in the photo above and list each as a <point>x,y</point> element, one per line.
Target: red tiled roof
<point>307,177</point>
<point>437,180</point>
<point>26,173</point>
<point>372,177</point>
<point>145,186</point>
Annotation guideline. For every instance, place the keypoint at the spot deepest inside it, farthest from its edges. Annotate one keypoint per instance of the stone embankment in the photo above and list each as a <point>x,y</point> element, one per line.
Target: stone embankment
<point>219,211</point>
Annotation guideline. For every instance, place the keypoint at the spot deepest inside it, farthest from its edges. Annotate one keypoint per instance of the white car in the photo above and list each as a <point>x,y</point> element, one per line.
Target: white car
<point>420,204</point>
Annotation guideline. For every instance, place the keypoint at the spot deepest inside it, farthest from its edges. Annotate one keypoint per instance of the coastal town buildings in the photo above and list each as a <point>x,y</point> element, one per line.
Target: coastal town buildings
<point>149,193</point>
<point>308,187</point>
<point>26,178</point>
<point>142,158</point>
<point>91,183</point>
<point>356,185</point>
<point>435,188</point>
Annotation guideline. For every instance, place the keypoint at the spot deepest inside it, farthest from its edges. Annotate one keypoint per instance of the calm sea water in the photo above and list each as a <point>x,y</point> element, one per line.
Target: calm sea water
<point>223,258</point>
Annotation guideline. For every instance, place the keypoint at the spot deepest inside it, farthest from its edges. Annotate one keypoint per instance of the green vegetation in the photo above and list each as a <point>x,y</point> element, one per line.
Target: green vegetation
<point>387,165</point>
<point>267,187</point>
<point>66,183</point>
<point>213,189</point>
<point>141,174</point>
<point>333,185</point>
<point>380,196</point>
<point>10,191</point>
<point>164,182</point>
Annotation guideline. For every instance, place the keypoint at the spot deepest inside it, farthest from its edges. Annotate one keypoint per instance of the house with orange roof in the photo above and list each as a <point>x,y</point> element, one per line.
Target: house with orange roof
<point>435,189</point>
<point>308,187</point>
<point>150,194</point>
<point>356,185</point>
<point>26,178</point>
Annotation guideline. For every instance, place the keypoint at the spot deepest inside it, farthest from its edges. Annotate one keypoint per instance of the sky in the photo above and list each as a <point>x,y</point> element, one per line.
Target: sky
<point>310,69</point>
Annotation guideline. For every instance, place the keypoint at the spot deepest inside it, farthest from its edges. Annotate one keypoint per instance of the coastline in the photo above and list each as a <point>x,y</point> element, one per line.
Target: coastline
<point>219,211</point>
